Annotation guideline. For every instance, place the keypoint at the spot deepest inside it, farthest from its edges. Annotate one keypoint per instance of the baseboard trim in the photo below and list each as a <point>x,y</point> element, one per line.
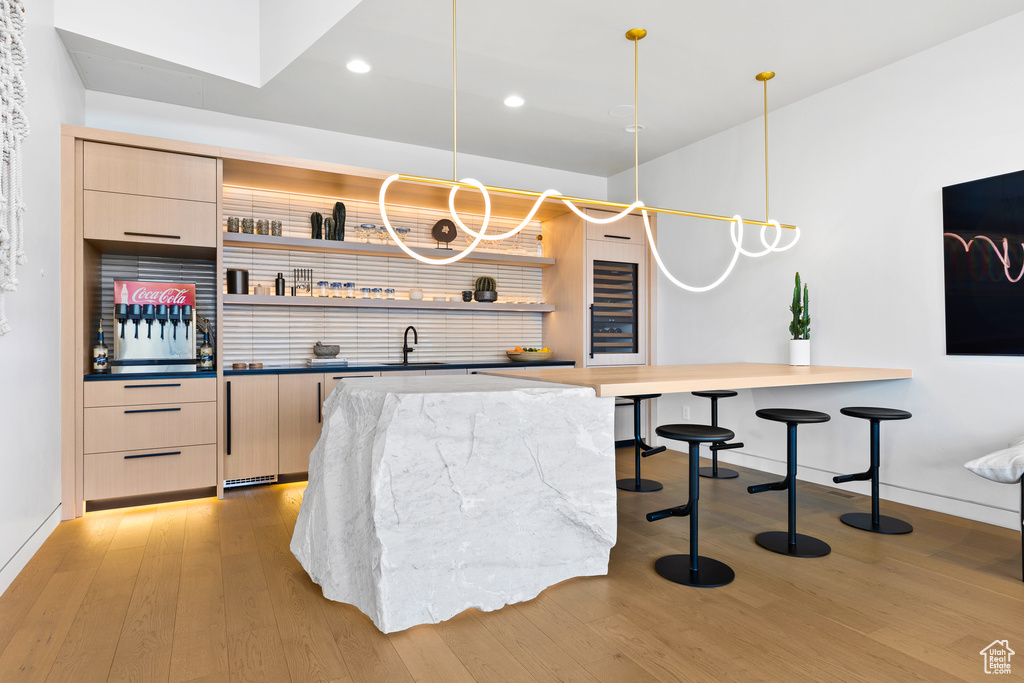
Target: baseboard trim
<point>624,443</point>
<point>10,570</point>
<point>950,505</point>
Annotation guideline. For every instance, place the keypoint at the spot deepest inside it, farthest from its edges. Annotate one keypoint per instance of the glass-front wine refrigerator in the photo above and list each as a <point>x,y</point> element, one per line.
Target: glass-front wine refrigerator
<point>617,290</point>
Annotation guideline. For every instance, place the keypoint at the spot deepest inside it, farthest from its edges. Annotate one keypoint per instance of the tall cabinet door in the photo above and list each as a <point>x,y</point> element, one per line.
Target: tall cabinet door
<point>250,448</point>
<point>616,303</point>
<point>301,399</point>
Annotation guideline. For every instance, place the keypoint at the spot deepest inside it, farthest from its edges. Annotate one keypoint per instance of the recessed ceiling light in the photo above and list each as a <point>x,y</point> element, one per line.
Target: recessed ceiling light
<point>630,129</point>
<point>621,111</point>
<point>514,101</point>
<point>357,66</point>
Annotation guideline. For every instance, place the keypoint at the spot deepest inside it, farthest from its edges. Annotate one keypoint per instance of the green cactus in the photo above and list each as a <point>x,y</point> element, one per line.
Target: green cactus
<point>485,284</point>
<point>800,327</point>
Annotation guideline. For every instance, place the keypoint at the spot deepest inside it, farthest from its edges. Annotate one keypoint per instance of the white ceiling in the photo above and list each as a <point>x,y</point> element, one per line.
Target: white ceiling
<point>568,59</point>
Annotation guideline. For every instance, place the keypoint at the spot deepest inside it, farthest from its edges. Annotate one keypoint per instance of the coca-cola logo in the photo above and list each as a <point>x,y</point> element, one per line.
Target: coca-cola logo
<point>143,295</point>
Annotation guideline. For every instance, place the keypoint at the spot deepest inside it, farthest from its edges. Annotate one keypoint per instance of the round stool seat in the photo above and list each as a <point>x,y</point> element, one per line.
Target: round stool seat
<point>715,393</point>
<point>793,415</point>
<point>876,413</point>
<point>641,397</point>
<point>694,433</point>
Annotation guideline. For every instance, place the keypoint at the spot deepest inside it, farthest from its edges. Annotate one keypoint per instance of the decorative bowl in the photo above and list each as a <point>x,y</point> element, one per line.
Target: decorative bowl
<point>326,350</point>
<point>490,296</point>
<point>523,356</point>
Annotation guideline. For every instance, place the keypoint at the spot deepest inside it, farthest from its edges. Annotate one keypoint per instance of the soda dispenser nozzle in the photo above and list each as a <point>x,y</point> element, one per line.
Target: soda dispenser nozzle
<point>161,316</point>
<point>148,313</point>
<point>175,317</point>
<point>121,315</point>
<point>135,314</point>
<point>186,317</point>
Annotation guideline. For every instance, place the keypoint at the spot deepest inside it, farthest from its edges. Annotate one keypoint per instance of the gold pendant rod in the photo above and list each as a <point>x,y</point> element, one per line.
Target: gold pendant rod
<point>455,101</point>
<point>636,35</point>
<point>584,200</point>
<point>636,120</point>
<point>764,77</point>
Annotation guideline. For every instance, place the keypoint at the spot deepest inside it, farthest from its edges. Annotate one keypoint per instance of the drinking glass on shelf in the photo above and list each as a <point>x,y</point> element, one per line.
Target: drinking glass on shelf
<point>382,234</point>
<point>402,232</point>
<point>367,230</point>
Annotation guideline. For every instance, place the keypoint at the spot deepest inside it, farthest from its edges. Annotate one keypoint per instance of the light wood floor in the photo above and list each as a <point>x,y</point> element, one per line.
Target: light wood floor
<point>208,591</point>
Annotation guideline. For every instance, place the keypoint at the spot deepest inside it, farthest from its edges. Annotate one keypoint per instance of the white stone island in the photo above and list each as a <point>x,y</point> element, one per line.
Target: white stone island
<point>431,495</point>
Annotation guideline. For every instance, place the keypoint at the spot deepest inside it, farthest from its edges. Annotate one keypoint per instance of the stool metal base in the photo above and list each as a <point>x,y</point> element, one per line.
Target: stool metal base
<point>710,573</point>
<point>806,546</point>
<point>646,485</point>
<point>886,525</point>
<point>723,473</point>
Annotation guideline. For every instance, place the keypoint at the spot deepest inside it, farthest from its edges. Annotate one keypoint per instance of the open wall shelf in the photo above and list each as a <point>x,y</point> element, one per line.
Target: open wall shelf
<point>475,306</point>
<point>239,239</point>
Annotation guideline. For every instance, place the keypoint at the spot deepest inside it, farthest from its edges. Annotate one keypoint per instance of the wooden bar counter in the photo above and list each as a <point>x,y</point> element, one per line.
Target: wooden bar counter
<point>666,379</point>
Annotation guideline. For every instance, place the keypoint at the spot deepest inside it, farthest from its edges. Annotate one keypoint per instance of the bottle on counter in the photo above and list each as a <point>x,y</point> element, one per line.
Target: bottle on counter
<point>279,284</point>
<point>205,352</point>
<point>100,354</point>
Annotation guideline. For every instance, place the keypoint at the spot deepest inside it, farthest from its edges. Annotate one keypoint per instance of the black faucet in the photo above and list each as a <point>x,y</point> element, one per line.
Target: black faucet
<point>406,349</point>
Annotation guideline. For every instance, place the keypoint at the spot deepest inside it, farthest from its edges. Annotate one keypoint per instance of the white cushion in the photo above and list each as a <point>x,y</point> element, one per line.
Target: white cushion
<point>1005,466</point>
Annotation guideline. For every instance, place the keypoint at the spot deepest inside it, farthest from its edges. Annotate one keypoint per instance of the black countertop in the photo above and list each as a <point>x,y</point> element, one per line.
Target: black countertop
<point>335,369</point>
<point>101,377</point>
<point>378,367</point>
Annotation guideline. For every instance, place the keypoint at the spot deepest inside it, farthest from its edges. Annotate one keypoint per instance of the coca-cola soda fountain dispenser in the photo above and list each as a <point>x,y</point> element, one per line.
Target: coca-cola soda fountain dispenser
<point>154,327</point>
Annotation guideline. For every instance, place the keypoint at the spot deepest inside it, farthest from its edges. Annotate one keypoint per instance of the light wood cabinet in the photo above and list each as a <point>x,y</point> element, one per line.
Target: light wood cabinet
<point>251,434</point>
<point>332,380</point>
<point>134,170</point>
<point>153,470</point>
<point>148,436</point>
<point>300,418</point>
<point>571,287</point>
<point>127,391</point>
<point>149,220</point>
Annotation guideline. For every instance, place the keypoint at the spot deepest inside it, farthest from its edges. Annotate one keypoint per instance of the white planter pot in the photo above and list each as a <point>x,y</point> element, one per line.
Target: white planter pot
<point>799,351</point>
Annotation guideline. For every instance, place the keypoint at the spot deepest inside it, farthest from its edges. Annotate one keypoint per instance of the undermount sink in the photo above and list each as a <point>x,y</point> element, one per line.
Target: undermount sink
<point>422,362</point>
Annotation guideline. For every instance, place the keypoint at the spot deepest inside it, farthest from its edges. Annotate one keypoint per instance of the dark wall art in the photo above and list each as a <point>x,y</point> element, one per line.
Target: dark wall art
<point>983,249</point>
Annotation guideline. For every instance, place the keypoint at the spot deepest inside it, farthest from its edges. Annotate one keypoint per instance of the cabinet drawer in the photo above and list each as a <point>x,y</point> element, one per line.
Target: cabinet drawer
<point>626,231</point>
<point>151,220</point>
<point>132,473</point>
<point>123,428</point>
<point>112,168</point>
<point>129,392</point>
<point>334,380</point>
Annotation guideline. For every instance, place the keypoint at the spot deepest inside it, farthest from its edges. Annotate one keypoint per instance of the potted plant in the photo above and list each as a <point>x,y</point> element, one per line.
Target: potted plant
<point>486,289</point>
<point>800,327</point>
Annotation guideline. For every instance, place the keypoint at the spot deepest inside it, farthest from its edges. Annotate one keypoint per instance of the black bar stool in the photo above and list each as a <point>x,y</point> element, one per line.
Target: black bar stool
<point>715,472</point>
<point>790,542</point>
<point>692,569</point>
<point>635,483</point>
<point>879,524</point>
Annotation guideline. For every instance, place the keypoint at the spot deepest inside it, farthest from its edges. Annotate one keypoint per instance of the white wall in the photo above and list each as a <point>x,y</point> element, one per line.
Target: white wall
<point>146,117</point>
<point>861,168</point>
<point>29,355</point>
